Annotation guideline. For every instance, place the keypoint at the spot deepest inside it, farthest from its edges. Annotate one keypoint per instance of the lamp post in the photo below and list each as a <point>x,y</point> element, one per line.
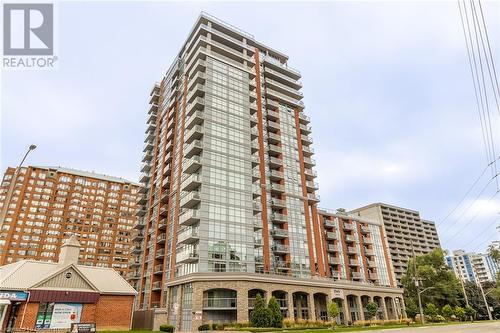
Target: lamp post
<point>8,198</point>
<point>422,319</point>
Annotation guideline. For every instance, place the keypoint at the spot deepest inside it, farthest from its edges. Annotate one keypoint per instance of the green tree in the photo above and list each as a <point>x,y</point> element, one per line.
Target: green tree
<point>372,309</point>
<point>459,312</point>
<point>275,311</point>
<point>431,310</point>
<point>333,312</point>
<point>411,309</point>
<point>494,253</point>
<point>432,272</point>
<point>447,311</point>
<point>260,316</point>
<point>470,312</point>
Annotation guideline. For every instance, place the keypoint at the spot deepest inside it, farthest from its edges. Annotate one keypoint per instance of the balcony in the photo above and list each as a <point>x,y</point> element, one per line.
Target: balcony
<point>303,119</point>
<point>367,240</point>
<point>373,276</point>
<point>332,248</point>
<point>189,217</point>
<point>275,162</point>
<point>135,263</point>
<point>194,148</point>
<point>280,248</point>
<point>306,129</point>
<point>274,150</point>
<point>195,133</point>
<point>313,197</point>
<point>162,224</point>
<point>195,119</point>
<point>331,235</point>
<point>161,238</point>
<point>371,263</point>
<point>312,186</point>
<point>256,207</point>
<point>141,212</point>
<point>356,275</point>
<point>163,211</point>
<point>197,104</point>
<point>144,178</point>
<point>156,286</point>
<point>349,239</point>
<point>296,84</point>
<point>160,254</point>
<point>219,303</point>
<point>348,226</point>
<point>279,233</point>
<point>285,98</point>
<point>138,237</point>
<point>351,250</point>
<point>273,125</point>
<point>277,188</point>
<point>190,200</point>
<point>353,262</point>
<point>307,151</point>
<point>147,146</point>
<point>196,91</point>
<point>273,138</point>
<point>334,260</point>
<point>137,249</point>
<point>134,276</point>
<point>277,203</point>
<point>188,235</point>
<point>142,200</point>
<point>310,174</point>
<point>272,104</point>
<point>369,252</point>
<point>272,115</point>
<point>192,164</point>
<point>187,257</point>
<point>192,182</point>
<point>365,229</point>
<point>278,218</point>
<point>281,68</point>
<point>257,223</point>
<point>284,89</point>
<point>309,162</point>
<point>328,224</point>
<point>305,139</point>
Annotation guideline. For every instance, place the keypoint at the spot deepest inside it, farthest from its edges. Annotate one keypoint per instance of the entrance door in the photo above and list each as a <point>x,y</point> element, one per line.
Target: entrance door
<point>12,317</point>
<point>4,304</point>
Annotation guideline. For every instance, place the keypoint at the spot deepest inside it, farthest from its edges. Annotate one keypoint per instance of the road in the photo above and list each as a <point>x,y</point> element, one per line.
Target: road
<point>493,327</point>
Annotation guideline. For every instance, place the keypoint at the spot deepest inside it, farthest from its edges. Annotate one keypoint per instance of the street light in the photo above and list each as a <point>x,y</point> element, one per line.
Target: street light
<point>422,319</point>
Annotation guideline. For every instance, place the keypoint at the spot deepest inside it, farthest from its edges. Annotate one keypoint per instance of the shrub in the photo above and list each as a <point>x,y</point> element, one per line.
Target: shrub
<point>430,310</point>
<point>333,312</point>
<point>438,319</point>
<point>167,328</point>
<point>288,323</point>
<point>275,311</point>
<point>470,312</point>
<point>411,309</point>
<point>260,316</point>
<point>447,311</point>
<point>204,327</point>
<point>218,327</point>
<point>459,312</point>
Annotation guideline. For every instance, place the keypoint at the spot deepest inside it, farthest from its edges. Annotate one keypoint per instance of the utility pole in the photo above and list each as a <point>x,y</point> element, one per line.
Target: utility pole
<point>463,290</point>
<point>482,292</point>
<point>417,285</point>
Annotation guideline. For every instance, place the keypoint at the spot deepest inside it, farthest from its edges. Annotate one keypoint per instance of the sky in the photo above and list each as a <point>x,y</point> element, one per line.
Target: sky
<point>387,87</point>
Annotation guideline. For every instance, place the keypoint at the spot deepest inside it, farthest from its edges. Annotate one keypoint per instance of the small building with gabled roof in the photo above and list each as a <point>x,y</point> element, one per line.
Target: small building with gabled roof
<point>38,295</point>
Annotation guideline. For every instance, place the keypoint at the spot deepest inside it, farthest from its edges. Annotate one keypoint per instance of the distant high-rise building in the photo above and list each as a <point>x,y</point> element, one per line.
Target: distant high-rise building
<point>405,231</point>
<point>42,206</point>
<point>229,207</point>
<point>474,267</point>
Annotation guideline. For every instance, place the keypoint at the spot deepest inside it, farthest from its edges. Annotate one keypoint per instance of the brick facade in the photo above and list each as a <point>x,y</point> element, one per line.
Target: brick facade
<point>109,313</point>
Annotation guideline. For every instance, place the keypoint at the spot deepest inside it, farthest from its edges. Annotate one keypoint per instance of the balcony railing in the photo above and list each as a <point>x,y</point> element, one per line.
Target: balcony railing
<point>219,303</point>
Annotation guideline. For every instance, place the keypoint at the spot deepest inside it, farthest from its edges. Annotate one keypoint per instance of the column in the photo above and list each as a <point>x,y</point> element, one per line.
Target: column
<point>384,308</point>
<point>241,305</point>
<point>347,312</point>
<point>311,306</point>
<point>197,306</point>
<point>361,311</point>
<point>178,314</point>
<point>396,308</point>
<point>289,305</point>
<point>402,302</point>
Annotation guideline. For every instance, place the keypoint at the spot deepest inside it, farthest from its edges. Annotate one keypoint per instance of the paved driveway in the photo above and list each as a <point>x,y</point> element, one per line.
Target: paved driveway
<point>482,327</point>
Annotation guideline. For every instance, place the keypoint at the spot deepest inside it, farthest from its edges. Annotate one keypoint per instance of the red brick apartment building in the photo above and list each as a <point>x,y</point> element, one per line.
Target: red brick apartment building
<point>42,206</point>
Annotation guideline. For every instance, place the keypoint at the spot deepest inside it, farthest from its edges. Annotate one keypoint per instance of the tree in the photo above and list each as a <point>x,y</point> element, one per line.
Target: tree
<point>459,312</point>
<point>476,298</point>
<point>447,311</point>
<point>432,272</point>
<point>372,309</point>
<point>494,253</point>
<point>333,312</point>
<point>411,309</point>
<point>275,311</point>
<point>260,316</point>
<point>470,312</point>
<point>431,310</point>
